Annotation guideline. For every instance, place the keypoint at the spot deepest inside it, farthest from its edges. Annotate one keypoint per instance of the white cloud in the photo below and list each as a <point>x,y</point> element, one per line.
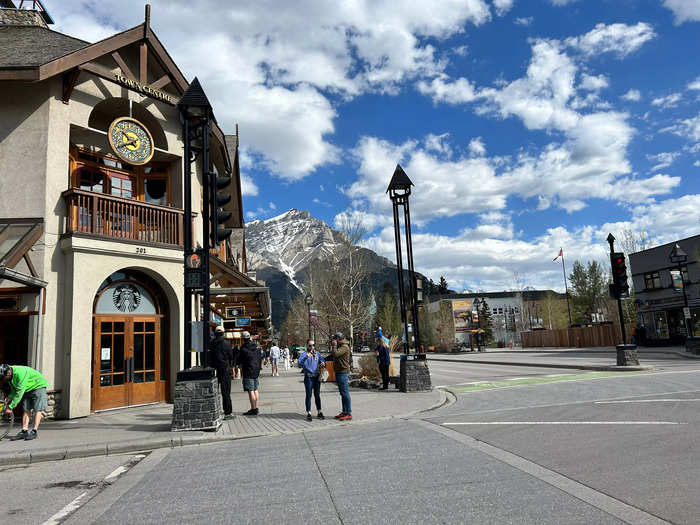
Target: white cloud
<point>633,95</point>
<point>461,50</point>
<point>621,39</point>
<point>438,144</point>
<point>441,89</point>
<point>684,10</point>
<point>695,84</point>
<point>477,147</point>
<point>696,163</point>
<point>502,6</point>
<point>668,101</point>
<point>593,82</point>
<point>562,2</point>
<point>524,21</point>
<point>689,128</point>
<point>663,160</point>
<point>248,187</point>
<point>273,75</point>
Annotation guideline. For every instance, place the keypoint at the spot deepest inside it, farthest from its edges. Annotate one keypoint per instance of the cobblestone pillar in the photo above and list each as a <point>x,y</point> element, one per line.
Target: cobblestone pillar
<point>197,401</point>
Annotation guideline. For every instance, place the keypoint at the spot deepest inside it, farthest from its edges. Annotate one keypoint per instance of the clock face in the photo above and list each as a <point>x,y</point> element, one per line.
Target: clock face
<point>130,140</point>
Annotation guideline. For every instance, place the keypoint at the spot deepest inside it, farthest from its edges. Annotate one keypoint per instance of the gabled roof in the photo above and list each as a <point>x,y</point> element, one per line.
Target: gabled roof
<point>399,180</point>
<point>25,46</point>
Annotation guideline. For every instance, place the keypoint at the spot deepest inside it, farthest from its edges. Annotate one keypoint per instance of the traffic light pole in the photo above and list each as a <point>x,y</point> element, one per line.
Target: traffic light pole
<point>206,242</point>
<point>626,354</point>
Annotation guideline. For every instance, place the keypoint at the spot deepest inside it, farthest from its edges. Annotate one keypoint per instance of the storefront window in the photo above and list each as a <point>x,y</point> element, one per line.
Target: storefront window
<point>652,280</point>
<point>155,191</point>
<point>661,325</point>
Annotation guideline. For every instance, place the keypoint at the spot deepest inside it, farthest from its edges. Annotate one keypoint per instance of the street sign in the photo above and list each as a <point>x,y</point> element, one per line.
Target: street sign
<point>234,311</point>
<point>243,321</point>
<point>197,335</point>
<point>686,312</point>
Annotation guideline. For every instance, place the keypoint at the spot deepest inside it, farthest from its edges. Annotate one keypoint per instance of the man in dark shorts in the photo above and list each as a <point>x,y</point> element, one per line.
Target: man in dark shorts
<point>249,361</point>
<point>29,386</point>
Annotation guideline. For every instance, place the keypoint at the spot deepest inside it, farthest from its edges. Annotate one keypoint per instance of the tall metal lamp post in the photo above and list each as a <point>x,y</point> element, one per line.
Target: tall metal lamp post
<point>414,373</point>
<point>309,301</point>
<point>679,257</point>
<point>195,114</point>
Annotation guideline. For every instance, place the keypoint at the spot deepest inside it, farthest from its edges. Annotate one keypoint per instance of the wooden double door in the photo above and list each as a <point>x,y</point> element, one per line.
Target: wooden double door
<point>128,361</point>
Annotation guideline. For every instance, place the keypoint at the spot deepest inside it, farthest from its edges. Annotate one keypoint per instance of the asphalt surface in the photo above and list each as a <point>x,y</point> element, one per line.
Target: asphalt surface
<point>588,448</point>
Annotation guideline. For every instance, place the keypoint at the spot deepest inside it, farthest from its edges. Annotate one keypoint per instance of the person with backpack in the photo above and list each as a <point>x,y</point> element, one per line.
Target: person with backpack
<point>250,362</point>
<point>28,386</point>
<point>222,361</point>
<point>311,362</point>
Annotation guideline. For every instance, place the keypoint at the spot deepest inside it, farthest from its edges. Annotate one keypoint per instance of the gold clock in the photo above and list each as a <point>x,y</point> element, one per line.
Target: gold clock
<point>131,140</point>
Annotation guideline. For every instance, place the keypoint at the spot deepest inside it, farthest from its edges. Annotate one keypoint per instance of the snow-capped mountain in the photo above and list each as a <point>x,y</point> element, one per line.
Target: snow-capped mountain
<point>281,248</point>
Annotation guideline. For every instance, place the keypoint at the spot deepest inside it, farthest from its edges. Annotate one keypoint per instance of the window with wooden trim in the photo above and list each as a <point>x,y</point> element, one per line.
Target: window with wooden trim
<point>103,174</point>
<point>652,281</point>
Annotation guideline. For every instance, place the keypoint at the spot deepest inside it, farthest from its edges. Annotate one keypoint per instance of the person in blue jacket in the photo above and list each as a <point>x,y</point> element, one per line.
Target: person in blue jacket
<point>383,360</point>
<point>311,363</point>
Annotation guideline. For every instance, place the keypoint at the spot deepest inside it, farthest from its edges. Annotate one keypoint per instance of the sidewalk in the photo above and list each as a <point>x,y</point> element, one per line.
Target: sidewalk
<point>147,427</point>
<point>593,358</point>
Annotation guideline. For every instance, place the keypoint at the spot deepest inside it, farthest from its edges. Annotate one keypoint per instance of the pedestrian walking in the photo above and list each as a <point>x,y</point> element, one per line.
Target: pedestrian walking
<point>383,360</point>
<point>340,350</point>
<point>250,361</point>
<point>275,359</point>
<point>222,359</point>
<point>285,358</point>
<point>311,362</point>
<point>28,386</point>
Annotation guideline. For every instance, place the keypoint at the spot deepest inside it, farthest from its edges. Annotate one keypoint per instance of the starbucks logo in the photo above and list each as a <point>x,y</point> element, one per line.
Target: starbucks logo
<point>126,298</point>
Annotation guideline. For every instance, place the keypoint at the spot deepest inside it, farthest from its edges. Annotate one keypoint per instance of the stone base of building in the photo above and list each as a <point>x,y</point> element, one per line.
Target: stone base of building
<point>692,345</point>
<point>414,373</point>
<point>53,410</point>
<point>197,403</point>
<point>627,355</point>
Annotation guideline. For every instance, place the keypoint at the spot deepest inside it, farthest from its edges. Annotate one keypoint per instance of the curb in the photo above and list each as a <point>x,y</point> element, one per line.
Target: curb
<point>142,445</point>
<point>597,368</point>
<point>684,355</point>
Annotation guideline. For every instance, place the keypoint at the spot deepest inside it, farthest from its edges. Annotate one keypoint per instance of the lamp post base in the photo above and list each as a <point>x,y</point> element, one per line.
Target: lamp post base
<point>627,355</point>
<point>197,401</point>
<point>414,373</point>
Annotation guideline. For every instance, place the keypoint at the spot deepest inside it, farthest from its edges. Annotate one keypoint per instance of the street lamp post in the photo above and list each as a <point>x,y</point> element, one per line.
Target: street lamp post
<point>679,257</point>
<point>309,301</point>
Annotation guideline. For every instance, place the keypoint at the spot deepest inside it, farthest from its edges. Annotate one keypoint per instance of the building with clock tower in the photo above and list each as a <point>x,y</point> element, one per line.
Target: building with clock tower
<point>92,214</point>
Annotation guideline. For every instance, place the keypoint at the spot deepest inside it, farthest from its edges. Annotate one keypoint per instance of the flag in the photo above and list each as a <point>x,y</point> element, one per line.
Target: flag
<point>560,254</point>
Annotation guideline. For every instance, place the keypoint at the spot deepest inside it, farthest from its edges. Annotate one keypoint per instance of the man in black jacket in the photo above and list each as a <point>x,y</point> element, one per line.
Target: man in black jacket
<point>222,359</point>
<point>249,361</point>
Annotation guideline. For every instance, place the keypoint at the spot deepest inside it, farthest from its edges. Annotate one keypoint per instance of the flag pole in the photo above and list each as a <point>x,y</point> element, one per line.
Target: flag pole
<point>566,287</point>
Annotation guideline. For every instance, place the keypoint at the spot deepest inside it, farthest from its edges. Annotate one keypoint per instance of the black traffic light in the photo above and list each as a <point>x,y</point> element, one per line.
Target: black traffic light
<point>619,270</point>
<point>218,215</point>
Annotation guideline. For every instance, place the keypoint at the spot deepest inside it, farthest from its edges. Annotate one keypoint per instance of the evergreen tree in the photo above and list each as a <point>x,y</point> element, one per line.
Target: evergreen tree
<point>485,321</point>
<point>588,290</point>
<point>442,287</point>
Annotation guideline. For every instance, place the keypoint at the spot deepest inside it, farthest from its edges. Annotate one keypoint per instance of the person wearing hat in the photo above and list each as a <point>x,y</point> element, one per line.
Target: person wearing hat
<point>340,350</point>
<point>222,360</point>
<point>249,361</point>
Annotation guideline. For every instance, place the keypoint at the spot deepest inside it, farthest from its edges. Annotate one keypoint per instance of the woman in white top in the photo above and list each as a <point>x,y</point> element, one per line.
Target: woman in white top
<point>285,356</point>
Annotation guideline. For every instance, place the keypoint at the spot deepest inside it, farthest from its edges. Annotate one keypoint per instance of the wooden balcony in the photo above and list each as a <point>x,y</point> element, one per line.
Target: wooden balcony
<point>105,216</point>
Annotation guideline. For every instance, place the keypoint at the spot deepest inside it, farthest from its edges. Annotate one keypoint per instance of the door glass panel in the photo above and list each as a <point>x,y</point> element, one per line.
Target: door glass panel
<point>162,349</point>
<point>150,351</point>
<point>118,353</point>
<point>118,379</point>
<point>138,378</point>
<point>105,353</point>
<point>138,352</point>
<point>106,380</point>
<point>119,327</point>
<point>150,327</point>
<point>150,377</point>
<point>105,327</point>
<point>138,327</point>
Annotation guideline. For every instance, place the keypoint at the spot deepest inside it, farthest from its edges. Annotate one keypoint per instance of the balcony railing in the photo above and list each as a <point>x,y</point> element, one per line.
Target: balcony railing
<point>114,217</point>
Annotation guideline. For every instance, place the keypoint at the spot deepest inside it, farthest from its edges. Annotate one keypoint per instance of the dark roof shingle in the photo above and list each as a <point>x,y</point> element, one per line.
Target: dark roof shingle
<point>26,46</point>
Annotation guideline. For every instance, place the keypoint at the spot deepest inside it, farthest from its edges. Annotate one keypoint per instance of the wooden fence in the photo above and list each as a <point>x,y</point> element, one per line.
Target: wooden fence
<point>586,336</point>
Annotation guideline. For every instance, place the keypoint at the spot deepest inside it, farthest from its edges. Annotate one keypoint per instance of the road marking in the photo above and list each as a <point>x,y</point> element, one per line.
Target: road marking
<point>646,401</point>
<point>566,423</point>
<point>617,508</point>
<point>538,380</point>
<point>65,511</point>
<point>123,468</point>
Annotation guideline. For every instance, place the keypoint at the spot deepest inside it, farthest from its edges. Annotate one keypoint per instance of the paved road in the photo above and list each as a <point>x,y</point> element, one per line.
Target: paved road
<point>596,449</point>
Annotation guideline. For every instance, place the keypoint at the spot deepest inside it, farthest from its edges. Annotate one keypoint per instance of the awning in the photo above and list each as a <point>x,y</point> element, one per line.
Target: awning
<point>17,236</point>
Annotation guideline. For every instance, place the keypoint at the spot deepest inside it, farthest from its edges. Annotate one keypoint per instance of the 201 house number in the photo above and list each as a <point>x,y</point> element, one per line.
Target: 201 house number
<point>141,251</point>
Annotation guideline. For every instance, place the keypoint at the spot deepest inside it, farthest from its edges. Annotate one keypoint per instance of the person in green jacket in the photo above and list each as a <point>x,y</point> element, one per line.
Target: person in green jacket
<point>29,386</point>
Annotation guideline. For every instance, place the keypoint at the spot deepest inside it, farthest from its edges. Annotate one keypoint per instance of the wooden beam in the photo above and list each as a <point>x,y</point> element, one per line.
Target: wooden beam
<point>30,265</point>
<point>122,65</point>
<point>161,82</point>
<point>167,62</point>
<point>91,52</point>
<point>26,74</point>
<point>70,79</point>
<point>143,63</point>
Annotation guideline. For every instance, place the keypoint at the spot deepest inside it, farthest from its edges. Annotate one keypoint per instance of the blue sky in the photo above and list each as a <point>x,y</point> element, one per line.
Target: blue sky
<point>526,126</point>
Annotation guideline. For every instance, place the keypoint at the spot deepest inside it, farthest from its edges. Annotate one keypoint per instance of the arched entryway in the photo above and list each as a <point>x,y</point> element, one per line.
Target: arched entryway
<point>129,358</point>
